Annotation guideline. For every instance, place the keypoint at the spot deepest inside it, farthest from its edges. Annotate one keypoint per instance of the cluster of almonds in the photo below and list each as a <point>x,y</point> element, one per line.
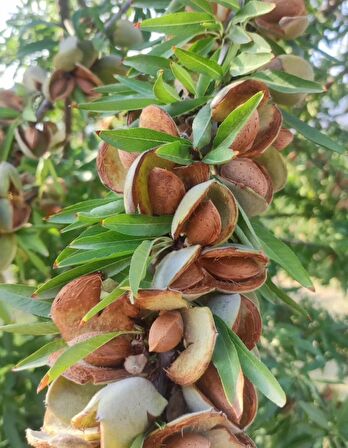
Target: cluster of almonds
<point>166,372</point>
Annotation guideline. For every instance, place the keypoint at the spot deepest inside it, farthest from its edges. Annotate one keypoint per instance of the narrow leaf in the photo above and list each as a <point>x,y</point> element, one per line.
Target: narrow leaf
<point>139,225</point>
<point>183,76</point>
<point>114,104</point>
<point>40,357</point>
<point>198,63</point>
<point>287,83</point>
<point>19,297</point>
<point>226,361</point>
<point>258,373</point>
<point>235,121</point>
<point>163,91</point>
<point>178,22</point>
<point>33,328</point>
<point>201,128</point>
<point>252,9</point>
<point>139,264</point>
<point>312,134</point>
<point>175,152</point>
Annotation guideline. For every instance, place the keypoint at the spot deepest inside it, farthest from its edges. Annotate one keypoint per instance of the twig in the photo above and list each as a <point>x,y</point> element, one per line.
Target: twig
<point>64,10</point>
<point>68,126</point>
<point>44,107</point>
<point>123,9</point>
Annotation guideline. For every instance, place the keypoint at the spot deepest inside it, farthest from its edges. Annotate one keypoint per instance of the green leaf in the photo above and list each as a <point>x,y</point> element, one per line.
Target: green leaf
<point>238,35</point>
<point>163,91</point>
<point>33,328</point>
<point>226,361</point>
<point>102,211</point>
<point>68,215</point>
<point>178,22</point>
<point>106,301</point>
<point>219,156</point>
<point>175,152</point>
<point>76,353</point>
<point>19,297</point>
<point>201,5</point>
<point>8,114</point>
<point>142,87</point>
<point>246,63</point>
<point>258,373</point>
<point>147,63</point>
<point>33,47</point>
<point>186,106</point>
<point>138,442</point>
<point>101,240</point>
<point>271,292</point>
<point>252,9</point>
<point>232,4</point>
<point>112,252</point>
<point>198,63</point>
<point>287,83</point>
<point>139,264</point>
<point>283,255</point>
<point>52,286</point>
<point>312,134</point>
<point>114,104</point>
<point>183,76</point>
<point>315,414</point>
<point>165,49</point>
<point>235,121</point>
<point>116,88</point>
<point>40,357</point>
<point>138,139</point>
<point>139,225</point>
<point>202,127</point>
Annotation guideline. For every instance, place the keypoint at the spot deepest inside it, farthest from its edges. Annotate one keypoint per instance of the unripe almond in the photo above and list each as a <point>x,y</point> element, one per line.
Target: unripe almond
<point>165,190</point>
<point>190,440</point>
<point>127,158</point>
<point>204,226</point>
<point>166,332</point>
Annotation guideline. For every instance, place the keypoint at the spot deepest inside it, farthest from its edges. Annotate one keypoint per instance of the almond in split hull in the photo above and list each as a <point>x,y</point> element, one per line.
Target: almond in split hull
<point>127,158</point>
<point>166,191</point>
<point>153,117</point>
<point>232,268</point>
<point>166,332</point>
<point>190,440</point>
<point>204,226</point>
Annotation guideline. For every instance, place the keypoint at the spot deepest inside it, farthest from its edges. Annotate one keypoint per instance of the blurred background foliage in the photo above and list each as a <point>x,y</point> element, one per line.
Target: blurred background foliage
<point>310,215</point>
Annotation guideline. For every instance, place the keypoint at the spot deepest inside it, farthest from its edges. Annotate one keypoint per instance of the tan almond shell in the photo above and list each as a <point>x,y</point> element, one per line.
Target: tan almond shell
<point>155,118</point>
<point>199,422</point>
<point>221,198</point>
<point>284,139</point>
<point>194,174</point>
<point>199,338</point>
<point>160,300</point>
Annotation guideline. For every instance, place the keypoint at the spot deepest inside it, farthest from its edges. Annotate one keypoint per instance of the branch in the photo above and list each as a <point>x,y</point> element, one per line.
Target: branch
<point>68,126</point>
<point>44,107</point>
<point>123,9</point>
<point>64,10</point>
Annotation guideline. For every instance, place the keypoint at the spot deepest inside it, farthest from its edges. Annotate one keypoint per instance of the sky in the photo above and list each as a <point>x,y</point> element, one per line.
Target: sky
<point>8,7</point>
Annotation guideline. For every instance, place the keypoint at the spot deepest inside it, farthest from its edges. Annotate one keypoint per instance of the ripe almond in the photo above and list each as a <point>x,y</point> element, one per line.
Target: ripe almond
<point>190,277</point>
<point>204,226</point>
<point>166,191</point>
<point>247,135</point>
<point>232,268</point>
<point>284,139</point>
<point>190,440</point>
<point>153,117</point>
<point>284,8</point>
<point>247,173</point>
<point>193,174</point>
<point>166,332</point>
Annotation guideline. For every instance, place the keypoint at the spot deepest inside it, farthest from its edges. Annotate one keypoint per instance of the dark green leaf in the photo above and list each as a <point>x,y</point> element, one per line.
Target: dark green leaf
<point>114,104</point>
<point>139,225</point>
<point>164,91</point>
<point>178,22</point>
<point>139,264</point>
<point>201,128</point>
<point>183,76</point>
<point>198,63</point>
<point>226,361</point>
<point>312,134</point>
<point>147,63</point>
<point>287,83</point>
<point>175,152</point>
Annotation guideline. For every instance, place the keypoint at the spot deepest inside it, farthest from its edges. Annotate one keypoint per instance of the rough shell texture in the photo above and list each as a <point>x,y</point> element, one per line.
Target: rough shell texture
<point>77,298</point>
<point>59,86</point>
<point>189,440</point>
<point>284,139</point>
<point>160,300</point>
<point>153,117</point>
<point>166,332</point>
<point>111,172</point>
<point>165,190</point>
<point>204,226</point>
<point>194,174</point>
<point>247,135</point>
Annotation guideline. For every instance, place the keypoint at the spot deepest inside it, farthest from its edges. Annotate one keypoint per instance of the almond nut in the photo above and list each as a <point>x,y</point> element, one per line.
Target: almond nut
<point>166,332</point>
